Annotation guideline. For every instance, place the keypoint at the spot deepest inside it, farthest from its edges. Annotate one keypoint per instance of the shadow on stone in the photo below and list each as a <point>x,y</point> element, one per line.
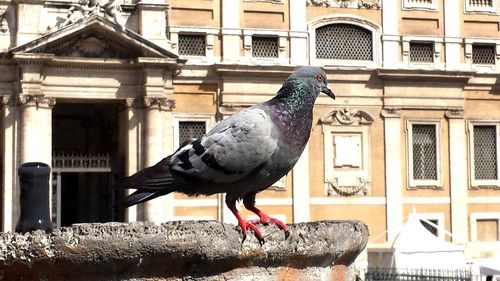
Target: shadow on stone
<point>207,250</point>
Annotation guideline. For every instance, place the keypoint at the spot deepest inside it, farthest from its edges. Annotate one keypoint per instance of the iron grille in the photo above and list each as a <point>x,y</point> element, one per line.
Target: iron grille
<point>264,47</point>
<point>481,3</point>
<point>421,52</point>
<point>483,54</point>
<point>485,153</point>
<point>424,152</point>
<point>191,129</point>
<point>432,229</point>
<point>344,42</point>
<point>191,45</point>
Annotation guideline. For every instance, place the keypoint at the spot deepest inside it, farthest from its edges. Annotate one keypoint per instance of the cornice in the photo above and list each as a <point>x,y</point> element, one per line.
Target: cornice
<point>440,76</point>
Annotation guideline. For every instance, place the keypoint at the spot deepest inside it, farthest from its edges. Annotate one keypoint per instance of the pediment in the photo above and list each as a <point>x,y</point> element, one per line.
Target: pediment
<point>95,37</point>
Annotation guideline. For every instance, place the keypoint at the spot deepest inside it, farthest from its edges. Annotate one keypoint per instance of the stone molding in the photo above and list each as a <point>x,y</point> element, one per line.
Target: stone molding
<point>456,113</point>
<point>391,112</point>
<point>368,4</point>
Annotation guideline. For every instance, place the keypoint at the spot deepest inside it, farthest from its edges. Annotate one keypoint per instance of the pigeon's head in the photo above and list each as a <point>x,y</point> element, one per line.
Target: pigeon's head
<point>315,77</point>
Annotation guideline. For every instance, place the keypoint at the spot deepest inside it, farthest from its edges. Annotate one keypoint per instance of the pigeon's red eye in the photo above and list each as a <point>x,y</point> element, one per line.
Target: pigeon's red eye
<point>319,77</point>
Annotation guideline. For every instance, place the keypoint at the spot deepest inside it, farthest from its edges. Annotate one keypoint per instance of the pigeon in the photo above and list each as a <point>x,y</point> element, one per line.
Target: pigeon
<point>242,155</point>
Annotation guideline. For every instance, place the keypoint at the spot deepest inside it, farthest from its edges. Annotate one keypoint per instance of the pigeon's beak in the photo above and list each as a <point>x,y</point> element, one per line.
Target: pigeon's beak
<point>327,91</point>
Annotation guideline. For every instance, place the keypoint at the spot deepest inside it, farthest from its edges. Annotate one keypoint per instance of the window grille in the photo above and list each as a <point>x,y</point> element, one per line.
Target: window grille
<point>424,152</point>
<point>432,229</point>
<point>420,1</point>
<point>485,153</point>
<point>421,52</point>
<point>264,47</point>
<point>344,42</point>
<point>483,54</point>
<point>481,3</point>
<point>191,129</point>
<point>191,45</point>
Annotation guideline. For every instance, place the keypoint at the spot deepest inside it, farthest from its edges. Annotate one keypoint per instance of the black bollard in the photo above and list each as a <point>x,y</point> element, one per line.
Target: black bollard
<point>34,182</point>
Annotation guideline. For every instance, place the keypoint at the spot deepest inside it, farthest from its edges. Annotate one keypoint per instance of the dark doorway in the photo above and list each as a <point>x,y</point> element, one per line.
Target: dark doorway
<point>85,162</point>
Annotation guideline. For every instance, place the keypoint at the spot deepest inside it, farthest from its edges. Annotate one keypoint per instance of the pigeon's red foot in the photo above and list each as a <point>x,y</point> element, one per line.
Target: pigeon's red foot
<point>265,219</point>
<point>244,224</point>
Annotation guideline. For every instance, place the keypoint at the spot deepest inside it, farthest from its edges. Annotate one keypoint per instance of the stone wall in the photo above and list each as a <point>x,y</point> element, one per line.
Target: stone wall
<point>189,250</point>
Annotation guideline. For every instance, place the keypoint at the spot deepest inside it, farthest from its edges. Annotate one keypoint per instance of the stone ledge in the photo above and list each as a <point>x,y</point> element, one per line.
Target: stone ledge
<point>188,250</point>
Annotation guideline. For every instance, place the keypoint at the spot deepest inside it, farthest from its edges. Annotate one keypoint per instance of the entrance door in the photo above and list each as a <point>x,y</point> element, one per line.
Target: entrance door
<point>85,161</point>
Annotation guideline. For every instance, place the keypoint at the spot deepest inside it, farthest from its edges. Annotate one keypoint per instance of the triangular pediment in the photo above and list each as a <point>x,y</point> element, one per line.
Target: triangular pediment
<point>95,37</point>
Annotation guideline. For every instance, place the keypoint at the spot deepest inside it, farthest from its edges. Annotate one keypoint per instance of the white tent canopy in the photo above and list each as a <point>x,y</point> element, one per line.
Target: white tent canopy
<point>417,247</point>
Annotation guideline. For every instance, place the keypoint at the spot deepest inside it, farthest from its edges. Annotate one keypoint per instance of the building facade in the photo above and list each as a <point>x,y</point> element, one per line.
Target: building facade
<point>103,90</point>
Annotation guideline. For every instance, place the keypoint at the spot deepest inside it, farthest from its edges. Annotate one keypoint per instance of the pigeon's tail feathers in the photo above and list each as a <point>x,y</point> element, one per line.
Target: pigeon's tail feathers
<point>140,196</point>
<point>150,183</point>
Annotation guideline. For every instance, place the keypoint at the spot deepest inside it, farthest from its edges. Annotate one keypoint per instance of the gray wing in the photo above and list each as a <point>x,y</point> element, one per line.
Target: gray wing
<point>231,150</point>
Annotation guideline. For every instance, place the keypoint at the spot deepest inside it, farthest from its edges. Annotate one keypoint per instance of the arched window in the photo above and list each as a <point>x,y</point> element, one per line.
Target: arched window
<point>344,42</point>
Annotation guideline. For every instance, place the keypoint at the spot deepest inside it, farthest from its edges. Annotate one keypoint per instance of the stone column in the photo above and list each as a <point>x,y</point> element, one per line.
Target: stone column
<point>231,33</point>
<point>458,175</point>
<point>155,118</point>
<point>391,38</point>
<point>10,205</point>
<point>393,170</point>
<point>452,39</point>
<point>298,33</point>
<point>301,195</point>
<point>36,128</point>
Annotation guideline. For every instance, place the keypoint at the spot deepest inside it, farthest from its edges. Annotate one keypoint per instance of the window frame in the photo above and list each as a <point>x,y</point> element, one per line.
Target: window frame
<point>478,183</point>
<point>351,20</point>
<point>428,183</point>
<point>282,36</point>
<point>408,5</point>
<point>208,119</point>
<point>437,50</point>
<point>488,10</point>
<point>210,35</point>
<point>482,67</point>
<point>475,216</point>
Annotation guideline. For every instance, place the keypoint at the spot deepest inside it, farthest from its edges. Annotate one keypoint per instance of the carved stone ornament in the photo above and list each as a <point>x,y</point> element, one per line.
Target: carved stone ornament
<point>368,4</point>
<point>360,189</point>
<point>159,103</point>
<point>346,117</point>
<point>38,101</point>
<point>86,8</point>
<point>4,27</point>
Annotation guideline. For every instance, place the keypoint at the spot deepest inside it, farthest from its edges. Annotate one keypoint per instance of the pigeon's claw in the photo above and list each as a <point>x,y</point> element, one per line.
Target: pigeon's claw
<point>244,224</point>
<point>265,219</point>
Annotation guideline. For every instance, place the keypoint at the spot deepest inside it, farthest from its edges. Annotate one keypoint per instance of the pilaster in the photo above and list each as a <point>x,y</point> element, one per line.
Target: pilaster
<point>393,170</point>
<point>298,33</point>
<point>458,174</point>
<point>390,38</point>
<point>300,191</point>
<point>231,33</point>
<point>452,40</point>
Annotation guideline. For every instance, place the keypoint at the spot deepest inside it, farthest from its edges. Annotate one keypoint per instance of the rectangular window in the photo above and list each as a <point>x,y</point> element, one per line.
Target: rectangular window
<point>191,129</point>
<point>422,52</point>
<point>424,154</point>
<point>419,4</point>
<point>488,6</point>
<point>484,143</point>
<point>192,45</point>
<point>264,47</point>
<point>483,54</point>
